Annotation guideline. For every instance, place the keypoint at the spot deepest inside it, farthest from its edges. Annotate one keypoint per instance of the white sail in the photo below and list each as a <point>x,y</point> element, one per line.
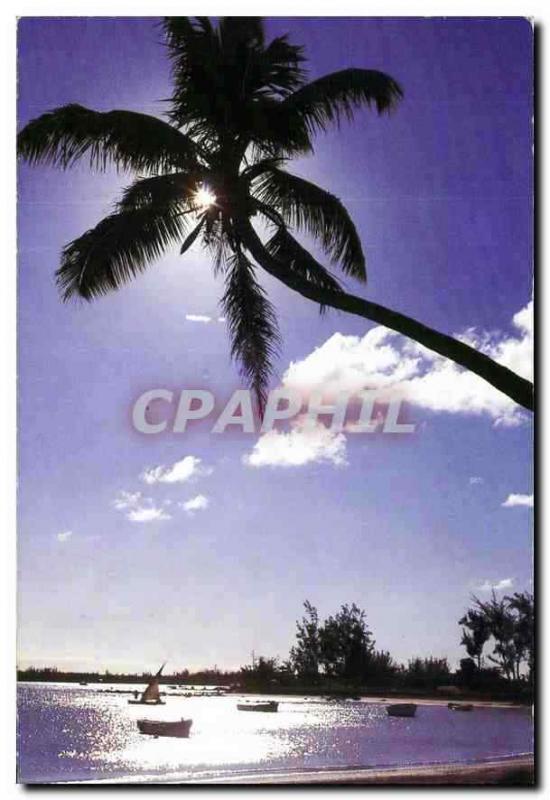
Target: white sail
<point>152,693</point>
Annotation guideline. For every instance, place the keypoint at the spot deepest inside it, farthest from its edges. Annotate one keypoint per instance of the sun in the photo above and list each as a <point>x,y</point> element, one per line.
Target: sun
<point>204,198</point>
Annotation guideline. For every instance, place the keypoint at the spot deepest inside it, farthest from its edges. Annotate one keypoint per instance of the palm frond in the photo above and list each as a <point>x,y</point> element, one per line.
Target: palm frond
<point>311,209</point>
<point>326,99</point>
<point>271,133</point>
<point>253,328</point>
<point>270,213</point>
<point>235,32</point>
<point>258,166</point>
<point>160,191</point>
<point>221,244</point>
<point>273,71</point>
<point>190,239</point>
<point>199,98</point>
<point>222,74</point>
<point>119,248</point>
<point>127,139</point>
<point>297,259</point>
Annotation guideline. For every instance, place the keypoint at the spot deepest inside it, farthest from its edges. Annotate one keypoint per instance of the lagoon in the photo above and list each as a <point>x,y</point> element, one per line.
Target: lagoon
<point>68,732</point>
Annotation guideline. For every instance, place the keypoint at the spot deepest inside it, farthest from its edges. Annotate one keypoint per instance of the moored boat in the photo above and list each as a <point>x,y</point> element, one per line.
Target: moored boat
<point>151,695</point>
<point>268,705</point>
<point>179,729</point>
<point>460,706</point>
<point>401,710</point>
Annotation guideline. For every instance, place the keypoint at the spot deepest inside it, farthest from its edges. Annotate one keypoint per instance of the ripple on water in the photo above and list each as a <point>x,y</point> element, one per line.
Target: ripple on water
<point>68,732</point>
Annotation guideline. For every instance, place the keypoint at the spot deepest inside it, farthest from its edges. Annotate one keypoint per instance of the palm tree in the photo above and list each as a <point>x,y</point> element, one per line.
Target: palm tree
<point>239,110</point>
<point>478,634</point>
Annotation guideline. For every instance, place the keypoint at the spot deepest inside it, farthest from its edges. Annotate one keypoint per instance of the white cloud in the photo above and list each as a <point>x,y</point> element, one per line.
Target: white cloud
<point>298,447</point>
<point>198,503</point>
<point>126,500</point>
<point>205,318</point>
<point>475,480</point>
<point>147,514</point>
<point>180,472</point>
<point>399,368</point>
<point>514,500</point>
<point>198,318</point>
<point>64,536</point>
<point>138,508</point>
<point>505,583</point>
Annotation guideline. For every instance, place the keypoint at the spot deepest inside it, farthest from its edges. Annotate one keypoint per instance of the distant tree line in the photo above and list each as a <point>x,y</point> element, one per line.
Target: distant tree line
<point>339,655</point>
<point>205,677</point>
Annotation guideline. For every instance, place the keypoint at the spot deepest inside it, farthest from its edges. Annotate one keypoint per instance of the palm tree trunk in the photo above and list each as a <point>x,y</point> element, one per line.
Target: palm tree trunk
<point>515,387</point>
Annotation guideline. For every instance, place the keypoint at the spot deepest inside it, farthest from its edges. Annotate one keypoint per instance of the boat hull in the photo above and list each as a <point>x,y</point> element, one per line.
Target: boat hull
<point>401,710</point>
<point>178,730</point>
<point>460,706</point>
<point>270,706</point>
<point>146,702</point>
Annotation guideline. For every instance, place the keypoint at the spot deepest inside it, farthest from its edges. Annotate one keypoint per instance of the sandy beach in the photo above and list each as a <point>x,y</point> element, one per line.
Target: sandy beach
<point>518,771</point>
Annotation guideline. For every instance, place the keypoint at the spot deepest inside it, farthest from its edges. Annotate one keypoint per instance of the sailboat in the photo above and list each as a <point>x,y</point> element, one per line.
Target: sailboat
<point>151,695</point>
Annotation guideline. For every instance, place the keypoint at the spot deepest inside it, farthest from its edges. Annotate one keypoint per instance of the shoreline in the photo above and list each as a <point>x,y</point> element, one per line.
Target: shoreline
<point>504,771</point>
<point>515,771</point>
<point>420,700</point>
<point>443,701</point>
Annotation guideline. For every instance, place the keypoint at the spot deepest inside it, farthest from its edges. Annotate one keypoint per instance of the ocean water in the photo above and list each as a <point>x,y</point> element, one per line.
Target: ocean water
<point>74,733</point>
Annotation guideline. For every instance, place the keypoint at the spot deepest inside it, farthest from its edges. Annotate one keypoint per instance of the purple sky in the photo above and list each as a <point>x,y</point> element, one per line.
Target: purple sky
<point>441,193</point>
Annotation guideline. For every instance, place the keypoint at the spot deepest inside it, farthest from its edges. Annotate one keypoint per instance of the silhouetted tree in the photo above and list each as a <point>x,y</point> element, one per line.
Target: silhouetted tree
<point>345,643</point>
<point>522,605</point>
<point>509,624</point>
<point>305,655</point>
<point>240,108</point>
<point>475,633</point>
<point>427,672</point>
<point>468,671</point>
<point>263,672</point>
<point>380,668</point>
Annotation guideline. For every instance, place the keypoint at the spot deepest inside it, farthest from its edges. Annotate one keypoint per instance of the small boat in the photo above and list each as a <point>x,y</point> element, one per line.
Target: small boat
<point>268,705</point>
<point>151,695</point>
<point>83,683</point>
<point>401,710</point>
<point>460,706</point>
<point>179,729</point>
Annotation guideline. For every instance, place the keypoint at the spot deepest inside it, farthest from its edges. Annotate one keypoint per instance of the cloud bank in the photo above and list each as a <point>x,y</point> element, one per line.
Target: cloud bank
<point>397,369</point>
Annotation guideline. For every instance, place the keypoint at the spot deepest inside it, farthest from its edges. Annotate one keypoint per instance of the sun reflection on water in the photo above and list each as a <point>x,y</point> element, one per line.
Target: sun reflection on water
<point>69,733</point>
